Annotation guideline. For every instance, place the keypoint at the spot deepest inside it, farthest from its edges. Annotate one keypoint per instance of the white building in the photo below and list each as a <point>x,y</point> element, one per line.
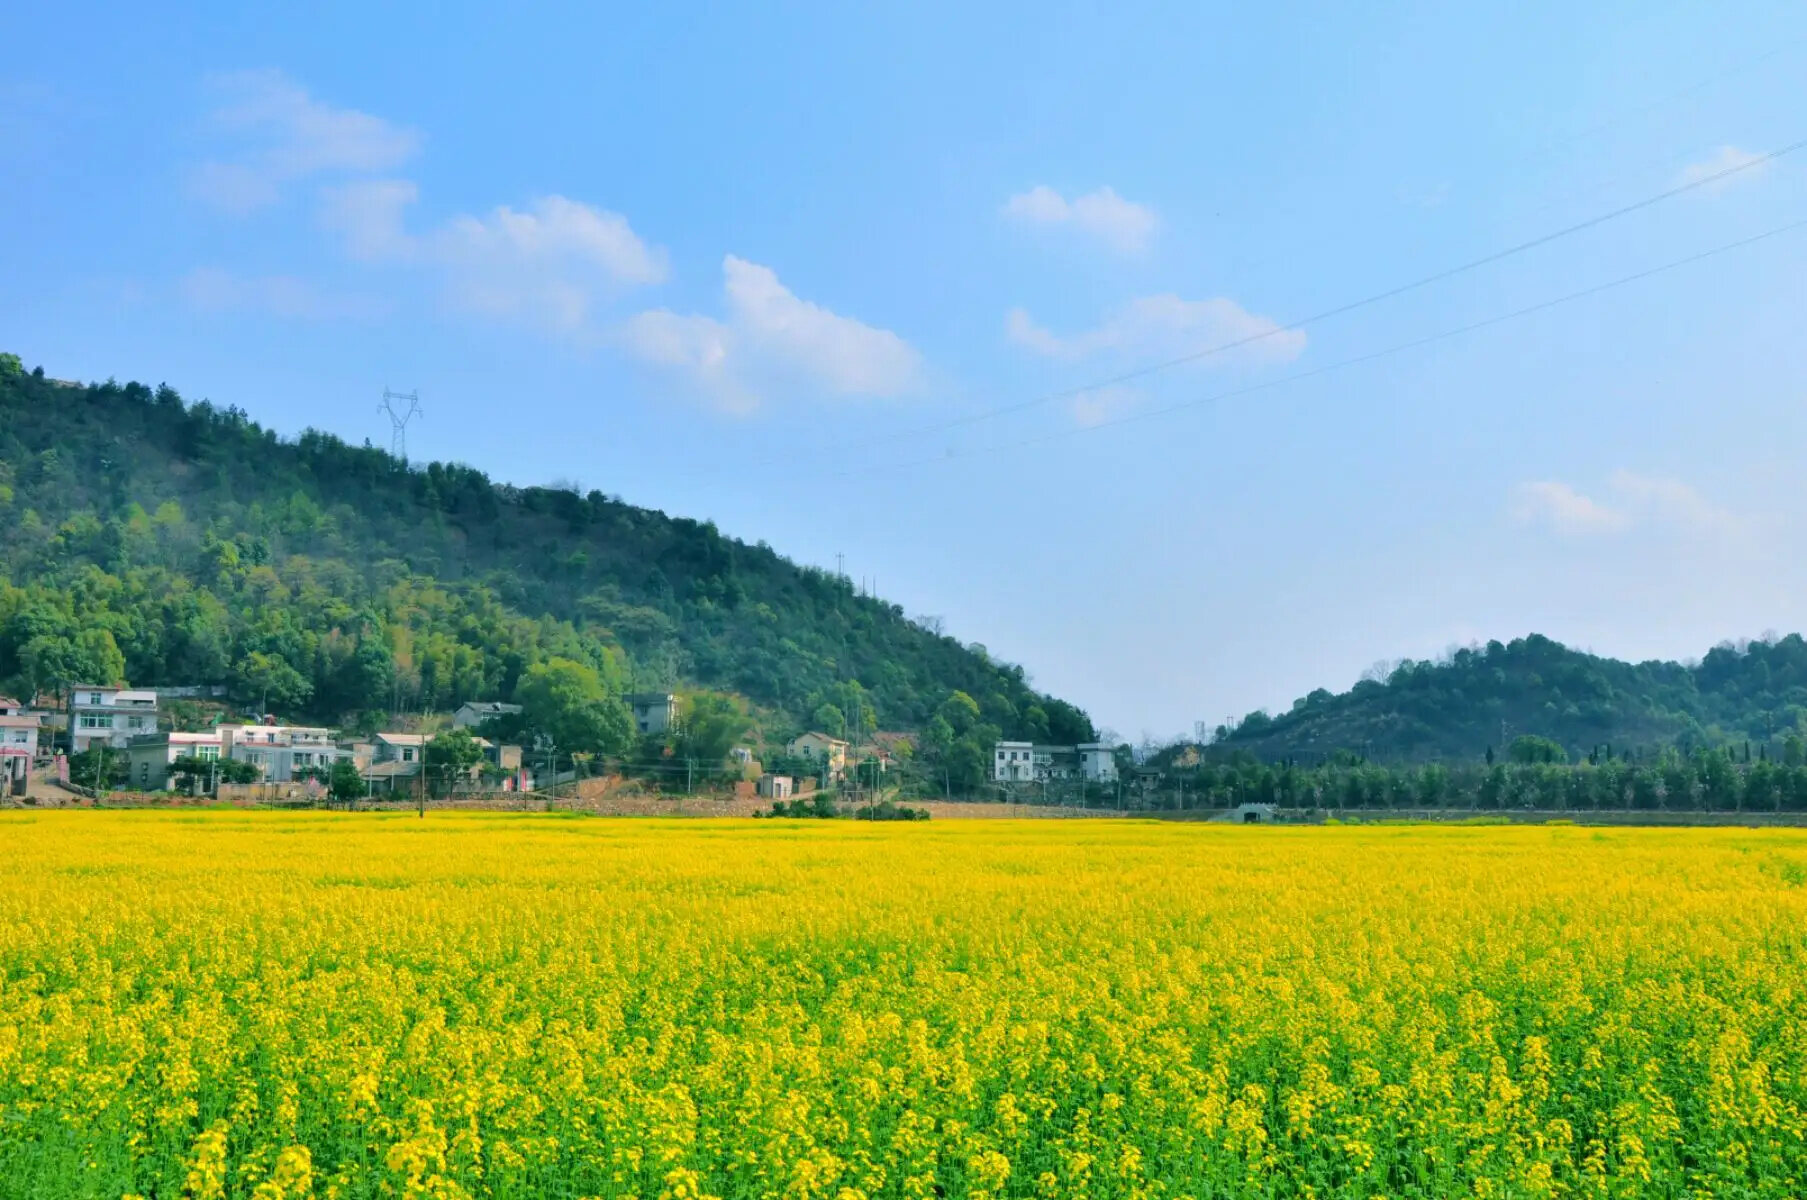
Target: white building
<point>280,751</point>
<point>1013,762</point>
<point>150,756</point>
<point>110,716</point>
<point>654,712</point>
<point>18,747</point>
<point>473,713</point>
<point>775,787</point>
<point>1097,762</point>
<point>1025,762</point>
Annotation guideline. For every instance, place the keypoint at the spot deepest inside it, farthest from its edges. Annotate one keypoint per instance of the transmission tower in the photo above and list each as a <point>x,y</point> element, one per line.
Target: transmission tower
<point>398,420</point>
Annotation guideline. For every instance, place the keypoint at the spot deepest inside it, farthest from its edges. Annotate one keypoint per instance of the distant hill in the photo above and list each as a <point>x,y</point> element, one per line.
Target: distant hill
<point>1458,708</point>
<point>176,543</point>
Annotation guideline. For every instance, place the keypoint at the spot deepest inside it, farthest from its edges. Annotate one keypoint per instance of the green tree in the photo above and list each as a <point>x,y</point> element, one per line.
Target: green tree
<point>269,680</point>
<point>449,758</point>
<point>1530,748</point>
<point>565,700</point>
<point>709,726</point>
<point>344,783</point>
<point>831,720</point>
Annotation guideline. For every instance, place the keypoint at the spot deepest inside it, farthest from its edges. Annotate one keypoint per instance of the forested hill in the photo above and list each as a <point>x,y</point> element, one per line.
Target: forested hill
<point>168,543</point>
<point>1488,697</point>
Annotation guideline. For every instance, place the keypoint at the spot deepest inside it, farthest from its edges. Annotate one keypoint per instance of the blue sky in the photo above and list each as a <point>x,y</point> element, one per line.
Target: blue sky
<point>781,269</point>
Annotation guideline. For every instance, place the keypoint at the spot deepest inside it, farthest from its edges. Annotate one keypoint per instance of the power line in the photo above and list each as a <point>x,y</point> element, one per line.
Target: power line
<point>1341,309</point>
<point>1359,359</point>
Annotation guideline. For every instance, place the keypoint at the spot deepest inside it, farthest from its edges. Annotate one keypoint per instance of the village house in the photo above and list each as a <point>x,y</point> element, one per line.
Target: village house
<point>775,787</point>
<point>150,756</point>
<point>280,752</point>
<point>654,712</point>
<point>110,716</point>
<point>1013,762</point>
<point>473,713</point>
<point>396,760</point>
<point>1025,762</point>
<point>818,747</point>
<point>18,748</point>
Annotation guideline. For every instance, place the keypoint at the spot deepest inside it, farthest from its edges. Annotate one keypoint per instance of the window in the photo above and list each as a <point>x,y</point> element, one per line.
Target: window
<point>94,698</point>
<point>96,721</point>
<point>407,754</point>
<point>210,753</point>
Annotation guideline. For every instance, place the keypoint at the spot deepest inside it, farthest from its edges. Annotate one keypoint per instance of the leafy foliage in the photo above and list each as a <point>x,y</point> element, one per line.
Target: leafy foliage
<point>167,543</point>
<point>1568,703</point>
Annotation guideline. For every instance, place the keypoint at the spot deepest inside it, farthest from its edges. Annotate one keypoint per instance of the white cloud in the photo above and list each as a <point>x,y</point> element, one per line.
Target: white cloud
<point>1166,326</point>
<point>554,232</point>
<point>1636,500</point>
<point>548,263</point>
<point>290,136</point>
<point>1097,406</point>
<point>213,289</point>
<point>771,337</point>
<point>1673,502</point>
<point>1121,224</point>
<point>1726,158</point>
<point>1564,509</point>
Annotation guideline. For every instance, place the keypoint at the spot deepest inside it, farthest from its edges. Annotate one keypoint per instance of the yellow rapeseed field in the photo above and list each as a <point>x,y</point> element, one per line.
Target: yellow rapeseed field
<point>271,1005</point>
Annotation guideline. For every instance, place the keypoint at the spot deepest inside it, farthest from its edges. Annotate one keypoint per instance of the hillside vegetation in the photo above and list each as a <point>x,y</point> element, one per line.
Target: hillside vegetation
<point>168,543</point>
<point>1485,699</point>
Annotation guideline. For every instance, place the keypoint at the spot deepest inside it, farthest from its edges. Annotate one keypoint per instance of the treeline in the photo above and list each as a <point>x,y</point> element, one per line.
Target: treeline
<point>148,539</point>
<point>1481,698</point>
<point>1719,779</point>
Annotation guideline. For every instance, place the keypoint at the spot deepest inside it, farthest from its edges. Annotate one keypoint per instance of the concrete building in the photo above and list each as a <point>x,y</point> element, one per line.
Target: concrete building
<point>473,713</point>
<point>775,787</point>
<point>280,752</point>
<point>654,712</point>
<point>399,747</point>
<point>820,748</point>
<point>18,749</point>
<point>110,716</point>
<point>396,761</point>
<point>150,756</point>
<point>1097,762</point>
<point>1024,762</point>
<point>1013,762</point>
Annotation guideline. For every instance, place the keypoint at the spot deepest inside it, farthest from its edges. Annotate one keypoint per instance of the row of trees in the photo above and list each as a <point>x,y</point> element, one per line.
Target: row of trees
<point>1705,780</point>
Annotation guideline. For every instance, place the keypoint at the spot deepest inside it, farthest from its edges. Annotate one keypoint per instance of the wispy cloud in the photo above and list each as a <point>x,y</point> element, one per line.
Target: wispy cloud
<point>287,135</point>
<point>1723,160</point>
<point>550,263</point>
<point>1676,503</point>
<point>1562,508</point>
<point>1632,501</point>
<point>769,335</point>
<point>1166,326</point>
<point>1123,225</point>
<point>1103,404</point>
